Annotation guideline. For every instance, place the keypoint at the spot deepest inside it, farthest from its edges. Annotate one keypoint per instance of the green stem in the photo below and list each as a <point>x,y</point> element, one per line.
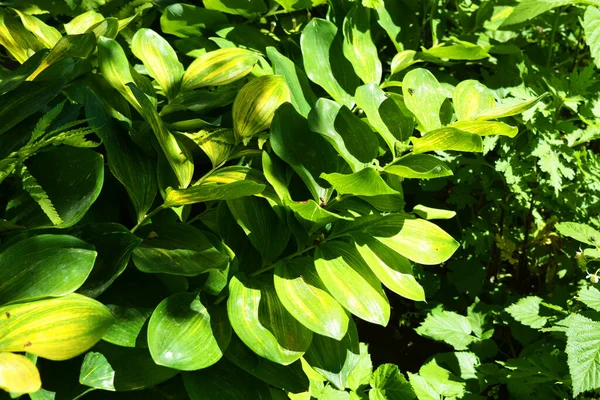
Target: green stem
<point>552,37</point>
<point>147,217</point>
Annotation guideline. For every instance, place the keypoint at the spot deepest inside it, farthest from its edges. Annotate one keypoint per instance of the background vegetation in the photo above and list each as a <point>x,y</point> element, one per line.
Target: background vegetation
<point>334,200</point>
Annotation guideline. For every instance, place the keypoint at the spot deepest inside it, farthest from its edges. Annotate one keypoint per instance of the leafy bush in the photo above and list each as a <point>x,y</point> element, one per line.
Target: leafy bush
<point>232,200</point>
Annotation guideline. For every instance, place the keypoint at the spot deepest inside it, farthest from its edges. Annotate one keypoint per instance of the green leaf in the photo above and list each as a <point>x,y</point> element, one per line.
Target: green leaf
<point>591,26</point>
<point>246,8</point>
<point>17,40</point>
<point>361,374</point>
<point>259,318</point>
<point>73,183</point>
<point>366,182</point>
<point>527,311</point>
<point>72,46</point>
<point>47,34</point>
<point>419,166</point>
<point>291,5</point>
<point>359,47</point>
<point>448,138</point>
<point>334,359</point>
<point>185,20</point>
<point>403,60</point>
<point>18,374</point>
<point>458,51</point>
<point>82,22</point>
<point>448,327</point>
<point>434,382</point>
<point>423,96</point>
<point>303,294</point>
<point>384,115</point>
<point>160,60</point>
<point>183,334</point>
<point>115,68</point>
<point>129,327</point>
<point>429,213</point>
<point>590,296</point>
<point>388,383</point>
<point>38,195</point>
<point>486,128</point>
<point>201,100</point>
<point>114,368</point>
<point>509,110</point>
<point>471,98</point>
<point>219,67</point>
<point>255,105</point>
<point>581,232</point>
<point>224,381</point>
<point>324,62</point>
<point>307,152</point>
<point>261,224</point>
<point>399,20</point>
<point>351,282</point>
<point>583,352</point>
<point>350,137</point>
<point>301,94</point>
<point>209,191</point>
<point>529,9</point>
<point>290,378</point>
<point>44,266</point>
<point>392,269</point>
<point>178,249</point>
<point>56,329</point>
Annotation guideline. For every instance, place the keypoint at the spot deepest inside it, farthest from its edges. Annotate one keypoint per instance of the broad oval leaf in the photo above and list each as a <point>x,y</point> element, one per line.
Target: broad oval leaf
<point>185,20</point>
<point>261,321</point>
<point>177,249</point>
<point>423,96</point>
<point>44,266</point>
<point>359,47</point>
<point>366,183</point>
<point>471,98</point>
<point>129,329</point>
<point>325,63</point>
<point>335,359</point>
<point>392,269</point>
<point>529,9</point>
<point>183,334</point>
<point>56,329</point>
<point>18,374</point>
<point>219,67</point>
<point>82,22</point>
<point>458,51</point>
<point>447,138</point>
<point>303,294</point>
<point>255,105</point>
<point>159,58</point>
<point>419,166</point>
<point>351,282</point>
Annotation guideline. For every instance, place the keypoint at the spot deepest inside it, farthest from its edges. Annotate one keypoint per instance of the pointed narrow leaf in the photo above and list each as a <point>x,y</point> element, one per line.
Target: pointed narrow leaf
<point>45,33</point>
<point>508,111</point>
<point>183,334</point>
<point>335,359</point>
<point>255,105</point>
<point>392,269</point>
<point>18,374</point>
<point>82,22</point>
<point>419,166</point>
<point>115,68</point>
<point>219,67</point>
<point>423,96</point>
<point>471,98</point>
<point>447,138</point>
<point>430,213</point>
<point>44,266</point>
<point>358,44</point>
<point>56,329</point>
<point>262,322</point>
<point>486,128</point>
<point>212,191</point>
<point>159,58</point>
<point>303,294</point>
<point>458,51</point>
<point>351,282</point>
<point>324,62</point>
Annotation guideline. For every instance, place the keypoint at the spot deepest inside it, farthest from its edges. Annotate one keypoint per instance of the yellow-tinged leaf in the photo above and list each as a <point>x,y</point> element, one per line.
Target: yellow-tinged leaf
<point>19,42</point>
<point>114,66</point>
<point>77,46</point>
<point>471,98</point>
<point>18,374</point>
<point>56,329</point>
<point>48,35</point>
<point>509,110</point>
<point>82,22</point>
<point>486,128</point>
<point>255,105</point>
<point>219,67</point>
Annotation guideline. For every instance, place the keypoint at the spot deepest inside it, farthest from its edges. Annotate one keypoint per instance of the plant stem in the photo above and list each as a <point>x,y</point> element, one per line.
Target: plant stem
<point>552,36</point>
<point>147,217</point>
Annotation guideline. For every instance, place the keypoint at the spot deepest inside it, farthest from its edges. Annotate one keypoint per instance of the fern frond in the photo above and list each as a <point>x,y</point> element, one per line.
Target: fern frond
<point>65,137</point>
<point>40,128</point>
<point>39,195</point>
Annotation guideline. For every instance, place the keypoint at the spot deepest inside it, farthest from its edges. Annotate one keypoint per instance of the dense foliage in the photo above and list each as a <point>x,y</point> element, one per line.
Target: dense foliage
<point>296,199</point>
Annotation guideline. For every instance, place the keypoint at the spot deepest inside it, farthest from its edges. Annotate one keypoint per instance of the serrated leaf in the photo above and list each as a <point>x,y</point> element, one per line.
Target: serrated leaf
<point>583,352</point>
<point>304,295</point>
<point>423,96</point>
<point>18,374</point>
<point>527,311</point>
<point>219,67</point>
<point>419,166</point>
<point>447,138</point>
<point>590,296</point>
<point>255,105</point>
<point>56,329</point>
<point>388,383</point>
<point>580,232</point>
<point>361,374</point>
<point>351,282</point>
<point>448,327</point>
<point>358,44</point>
<point>259,318</point>
<point>39,195</point>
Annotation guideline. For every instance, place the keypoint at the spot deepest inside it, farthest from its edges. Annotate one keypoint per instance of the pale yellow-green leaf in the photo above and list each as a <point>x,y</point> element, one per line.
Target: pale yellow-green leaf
<point>82,22</point>
<point>403,60</point>
<point>19,42</point>
<point>56,329</point>
<point>430,213</point>
<point>219,67</point>
<point>255,105</point>
<point>359,47</point>
<point>47,34</point>
<point>79,46</point>
<point>423,96</point>
<point>486,128</point>
<point>114,67</point>
<point>447,138</point>
<point>471,98</point>
<point>509,110</point>
<point>18,374</point>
